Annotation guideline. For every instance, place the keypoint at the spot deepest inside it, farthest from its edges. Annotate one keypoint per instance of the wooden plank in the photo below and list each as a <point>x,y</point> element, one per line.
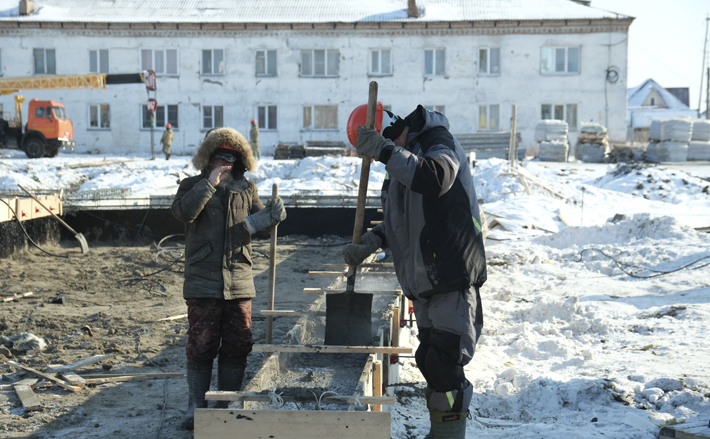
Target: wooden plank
<point>120,379</point>
<point>147,375</point>
<point>27,397</point>
<point>377,384</point>
<point>17,296</point>
<point>332,349</point>
<point>73,379</point>
<point>328,399</point>
<point>693,429</point>
<point>336,291</point>
<point>26,382</point>
<point>281,313</point>
<point>288,424</point>
<point>326,273</point>
<point>79,364</point>
<point>55,380</point>
<point>181,316</point>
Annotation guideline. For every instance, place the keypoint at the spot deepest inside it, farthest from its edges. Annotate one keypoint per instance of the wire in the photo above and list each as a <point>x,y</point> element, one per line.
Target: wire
<point>27,234</point>
<point>622,266</point>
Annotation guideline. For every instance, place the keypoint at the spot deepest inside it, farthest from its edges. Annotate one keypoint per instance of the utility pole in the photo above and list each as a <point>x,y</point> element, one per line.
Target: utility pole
<point>707,97</point>
<point>702,71</point>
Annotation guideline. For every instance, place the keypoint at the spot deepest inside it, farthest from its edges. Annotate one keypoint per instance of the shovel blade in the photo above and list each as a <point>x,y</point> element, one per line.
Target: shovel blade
<point>348,319</point>
<point>82,241</point>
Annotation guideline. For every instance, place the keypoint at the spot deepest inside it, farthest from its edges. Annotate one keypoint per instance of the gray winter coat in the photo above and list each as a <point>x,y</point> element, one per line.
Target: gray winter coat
<point>432,222</point>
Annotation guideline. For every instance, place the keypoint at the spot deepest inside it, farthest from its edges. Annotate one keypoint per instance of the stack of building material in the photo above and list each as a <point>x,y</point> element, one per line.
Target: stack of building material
<point>282,152</point>
<point>699,146</point>
<point>552,135</point>
<point>592,143</point>
<point>488,145</point>
<point>320,147</point>
<point>669,140</point>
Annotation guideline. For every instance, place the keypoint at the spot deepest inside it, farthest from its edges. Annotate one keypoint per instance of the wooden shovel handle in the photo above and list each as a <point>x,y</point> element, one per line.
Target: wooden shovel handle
<point>364,172</point>
<point>272,271</point>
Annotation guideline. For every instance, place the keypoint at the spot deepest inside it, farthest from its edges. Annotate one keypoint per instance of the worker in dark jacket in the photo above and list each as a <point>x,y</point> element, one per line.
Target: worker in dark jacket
<point>221,210</point>
<point>432,226</point>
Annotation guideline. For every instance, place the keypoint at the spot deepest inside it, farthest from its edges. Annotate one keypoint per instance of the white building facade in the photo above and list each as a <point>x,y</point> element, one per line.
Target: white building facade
<point>301,68</point>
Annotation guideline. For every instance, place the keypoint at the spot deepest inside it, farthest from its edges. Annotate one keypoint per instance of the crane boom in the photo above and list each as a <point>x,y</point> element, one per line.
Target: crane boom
<point>89,81</point>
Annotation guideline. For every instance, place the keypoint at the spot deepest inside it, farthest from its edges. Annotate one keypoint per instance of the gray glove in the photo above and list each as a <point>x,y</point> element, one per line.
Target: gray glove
<point>370,142</point>
<point>269,216</point>
<point>356,253</point>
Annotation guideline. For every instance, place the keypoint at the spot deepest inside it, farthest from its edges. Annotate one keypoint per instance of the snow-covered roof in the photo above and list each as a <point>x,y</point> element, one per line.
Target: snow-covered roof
<point>637,96</point>
<point>298,11</point>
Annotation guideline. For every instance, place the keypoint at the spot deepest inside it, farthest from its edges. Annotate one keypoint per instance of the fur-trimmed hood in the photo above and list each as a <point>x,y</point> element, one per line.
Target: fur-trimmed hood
<point>222,136</point>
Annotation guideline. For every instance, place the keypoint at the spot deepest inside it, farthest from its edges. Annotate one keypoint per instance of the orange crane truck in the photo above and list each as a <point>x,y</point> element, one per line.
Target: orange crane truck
<point>48,126</point>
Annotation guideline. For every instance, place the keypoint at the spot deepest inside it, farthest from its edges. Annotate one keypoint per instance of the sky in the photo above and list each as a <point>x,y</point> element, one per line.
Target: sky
<point>665,42</point>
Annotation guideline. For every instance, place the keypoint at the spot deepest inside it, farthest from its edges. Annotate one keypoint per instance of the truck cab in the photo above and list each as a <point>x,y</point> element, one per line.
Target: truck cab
<point>48,129</point>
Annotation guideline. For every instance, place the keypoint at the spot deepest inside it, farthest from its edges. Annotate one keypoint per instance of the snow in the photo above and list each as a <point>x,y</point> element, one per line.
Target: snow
<point>597,304</point>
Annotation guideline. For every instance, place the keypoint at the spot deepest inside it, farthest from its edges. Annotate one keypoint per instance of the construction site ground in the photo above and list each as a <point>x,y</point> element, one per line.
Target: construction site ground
<point>123,319</point>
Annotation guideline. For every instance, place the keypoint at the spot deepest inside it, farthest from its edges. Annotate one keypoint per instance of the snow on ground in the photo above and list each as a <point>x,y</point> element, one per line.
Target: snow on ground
<point>597,305</point>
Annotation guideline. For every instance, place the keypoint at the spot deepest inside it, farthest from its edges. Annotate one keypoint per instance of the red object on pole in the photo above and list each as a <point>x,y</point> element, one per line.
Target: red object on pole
<point>152,105</point>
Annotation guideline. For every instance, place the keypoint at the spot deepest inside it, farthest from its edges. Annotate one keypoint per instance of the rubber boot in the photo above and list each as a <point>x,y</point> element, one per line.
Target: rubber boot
<point>199,375</point>
<point>230,374</point>
<point>448,425</point>
<point>427,393</point>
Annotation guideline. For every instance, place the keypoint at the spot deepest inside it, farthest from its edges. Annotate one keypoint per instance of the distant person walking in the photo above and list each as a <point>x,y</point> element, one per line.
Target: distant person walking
<point>254,139</point>
<point>167,140</point>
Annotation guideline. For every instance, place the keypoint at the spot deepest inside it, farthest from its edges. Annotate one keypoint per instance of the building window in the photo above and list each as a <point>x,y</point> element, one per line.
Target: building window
<point>566,112</point>
<point>559,61</point>
<point>45,62</point>
<point>318,62</point>
<point>266,117</point>
<point>98,61</point>
<point>265,63</point>
<point>438,108</point>
<point>212,62</point>
<point>212,116</point>
<point>99,116</point>
<point>162,61</point>
<point>489,61</point>
<point>435,62</point>
<point>320,117</point>
<point>489,117</point>
<point>163,114</point>
<point>381,62</point>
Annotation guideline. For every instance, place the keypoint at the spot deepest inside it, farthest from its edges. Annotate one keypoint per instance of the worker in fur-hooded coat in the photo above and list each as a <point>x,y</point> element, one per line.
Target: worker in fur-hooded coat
<point>221,210</point>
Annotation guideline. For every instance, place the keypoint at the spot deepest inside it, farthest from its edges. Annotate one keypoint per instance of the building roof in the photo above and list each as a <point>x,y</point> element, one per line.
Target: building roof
<point>637,96</point>
<point>297,11</point>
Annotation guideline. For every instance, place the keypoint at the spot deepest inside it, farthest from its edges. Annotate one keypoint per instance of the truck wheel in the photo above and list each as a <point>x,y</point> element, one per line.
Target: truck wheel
<point>34,148</point>
<point>52,153</point>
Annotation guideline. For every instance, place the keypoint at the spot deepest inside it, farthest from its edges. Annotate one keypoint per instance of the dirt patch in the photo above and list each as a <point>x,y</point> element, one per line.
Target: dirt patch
<point>123,318</point>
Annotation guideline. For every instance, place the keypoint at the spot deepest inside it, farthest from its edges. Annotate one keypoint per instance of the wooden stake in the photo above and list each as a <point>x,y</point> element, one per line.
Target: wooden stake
<point>377,385</point>
<point>512,146</point>
<point>17,296</point>
<point>395,327</point>
<point>272,272</point>
<point>181,316</point>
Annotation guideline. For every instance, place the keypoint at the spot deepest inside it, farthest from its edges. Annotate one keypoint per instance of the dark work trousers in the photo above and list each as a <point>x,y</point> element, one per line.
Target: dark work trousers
<point>449,327</point>
<point>219,326</point>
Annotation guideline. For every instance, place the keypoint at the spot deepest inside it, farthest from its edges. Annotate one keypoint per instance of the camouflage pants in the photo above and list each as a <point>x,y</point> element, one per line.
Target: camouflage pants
<point>219,326</point>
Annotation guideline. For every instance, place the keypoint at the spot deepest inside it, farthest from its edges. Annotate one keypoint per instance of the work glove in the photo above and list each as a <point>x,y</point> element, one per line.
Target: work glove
<point>370,143</point>
<point>356,253</point>
<point>272,214</point>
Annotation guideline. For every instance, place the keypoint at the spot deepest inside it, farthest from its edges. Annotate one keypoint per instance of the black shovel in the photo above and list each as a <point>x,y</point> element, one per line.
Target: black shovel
<point>348,316</point>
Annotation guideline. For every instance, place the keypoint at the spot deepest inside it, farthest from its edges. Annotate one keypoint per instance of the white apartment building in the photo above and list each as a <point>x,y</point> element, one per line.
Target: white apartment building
<point>300,66</point>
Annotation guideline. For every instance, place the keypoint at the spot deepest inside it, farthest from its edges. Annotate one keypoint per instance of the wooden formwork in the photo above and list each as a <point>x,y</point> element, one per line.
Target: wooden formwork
<point>28,209</point>
<point>363,413</point>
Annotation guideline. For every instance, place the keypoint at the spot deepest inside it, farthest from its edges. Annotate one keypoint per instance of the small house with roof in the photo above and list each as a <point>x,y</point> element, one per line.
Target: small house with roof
<point>648,102</point>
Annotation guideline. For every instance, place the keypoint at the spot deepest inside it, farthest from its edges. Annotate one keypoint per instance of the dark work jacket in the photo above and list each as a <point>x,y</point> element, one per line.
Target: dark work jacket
<point>432,221</point>
<point>218,263</point>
